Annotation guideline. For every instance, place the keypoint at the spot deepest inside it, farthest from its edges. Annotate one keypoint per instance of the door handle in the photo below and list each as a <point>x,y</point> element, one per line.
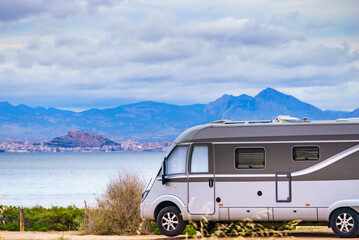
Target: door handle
<point>210,181</point>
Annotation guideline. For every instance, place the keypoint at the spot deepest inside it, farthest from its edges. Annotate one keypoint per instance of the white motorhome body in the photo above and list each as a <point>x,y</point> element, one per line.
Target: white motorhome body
<point>269,171</point>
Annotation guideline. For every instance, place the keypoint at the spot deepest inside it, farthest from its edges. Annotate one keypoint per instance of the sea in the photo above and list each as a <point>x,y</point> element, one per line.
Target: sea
<point>63,179</point>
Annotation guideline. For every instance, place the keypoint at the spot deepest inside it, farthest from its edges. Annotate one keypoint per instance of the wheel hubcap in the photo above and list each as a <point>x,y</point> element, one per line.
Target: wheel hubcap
<point>169,221</point>
<point>344,222</point>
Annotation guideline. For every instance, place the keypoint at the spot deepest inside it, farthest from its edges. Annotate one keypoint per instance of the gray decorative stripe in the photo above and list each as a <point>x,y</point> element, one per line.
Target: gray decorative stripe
<point>306,171</point>
<point>327,162</point>
<point>311,169</point>
<point>294,142</point>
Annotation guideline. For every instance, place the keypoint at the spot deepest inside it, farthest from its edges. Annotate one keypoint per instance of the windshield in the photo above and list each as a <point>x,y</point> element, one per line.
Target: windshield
<point>176,162</point>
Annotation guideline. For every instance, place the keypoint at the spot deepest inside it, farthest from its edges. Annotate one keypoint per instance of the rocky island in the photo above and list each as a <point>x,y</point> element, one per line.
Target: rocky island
<point>77,141</point>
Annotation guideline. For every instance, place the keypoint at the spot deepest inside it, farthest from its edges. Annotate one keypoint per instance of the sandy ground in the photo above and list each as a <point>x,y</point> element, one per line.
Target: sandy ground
<point>306,234</point>
<point>8,235</point>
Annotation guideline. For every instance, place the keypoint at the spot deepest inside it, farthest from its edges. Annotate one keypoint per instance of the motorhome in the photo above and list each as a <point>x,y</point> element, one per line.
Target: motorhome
<point>269,171</point>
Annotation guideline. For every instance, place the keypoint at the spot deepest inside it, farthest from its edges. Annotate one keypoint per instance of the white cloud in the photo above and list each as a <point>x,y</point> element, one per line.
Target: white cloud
<point>241,31</point>
<point>2,58</point>
<point>15,10</point>
<point>342,96</point>
<point>69,41</point>
<point>101,52</point>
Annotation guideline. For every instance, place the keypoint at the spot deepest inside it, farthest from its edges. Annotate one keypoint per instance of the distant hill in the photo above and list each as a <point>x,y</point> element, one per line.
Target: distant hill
<point>81,139</point>
<point>152,121</point>
<point>268,104</point>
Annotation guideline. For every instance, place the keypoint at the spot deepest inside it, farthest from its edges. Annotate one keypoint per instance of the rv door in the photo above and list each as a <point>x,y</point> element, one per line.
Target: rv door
<point>201,179</point>
<point>283,187</point>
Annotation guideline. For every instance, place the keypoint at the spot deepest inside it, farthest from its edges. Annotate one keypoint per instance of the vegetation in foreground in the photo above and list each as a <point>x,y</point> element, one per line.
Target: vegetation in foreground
<point>118,209</point>
<point>246,228</point>
<point>42,219</point>
<point>118,212</point>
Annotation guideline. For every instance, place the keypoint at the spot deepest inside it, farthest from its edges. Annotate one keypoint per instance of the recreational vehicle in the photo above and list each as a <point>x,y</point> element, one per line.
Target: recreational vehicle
<point>269,171</point>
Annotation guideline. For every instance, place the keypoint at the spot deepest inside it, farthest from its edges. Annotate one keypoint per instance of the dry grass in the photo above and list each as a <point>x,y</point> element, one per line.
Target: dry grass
<point>241,229</point>
<point>311,227</point>
<point>118,209</point>
<point>2,211</point>
<point>118,212</point>
<point>60,238</point>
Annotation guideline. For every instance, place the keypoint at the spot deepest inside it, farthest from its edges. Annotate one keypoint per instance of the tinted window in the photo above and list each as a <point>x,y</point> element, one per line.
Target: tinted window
<point>176,162</point>
<point>305,153</point>
<point>250,158</point>
<point>199,162</point>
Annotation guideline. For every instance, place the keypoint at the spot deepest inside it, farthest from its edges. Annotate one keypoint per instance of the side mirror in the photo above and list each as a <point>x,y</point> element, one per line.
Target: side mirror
<point>164,180</point>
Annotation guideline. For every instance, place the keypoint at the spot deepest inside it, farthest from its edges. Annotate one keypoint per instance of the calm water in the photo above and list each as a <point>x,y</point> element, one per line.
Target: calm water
<point>62,179</point>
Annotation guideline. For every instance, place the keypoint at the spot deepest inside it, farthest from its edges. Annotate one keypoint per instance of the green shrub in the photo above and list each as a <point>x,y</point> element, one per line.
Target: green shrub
<point>189,230</point>
<point>42,219</point>
<point>154,228</point>
<point>12,226</point>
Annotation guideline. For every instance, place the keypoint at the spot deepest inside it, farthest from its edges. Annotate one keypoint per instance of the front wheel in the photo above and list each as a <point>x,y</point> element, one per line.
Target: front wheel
<point>170,222</point>
<point>345,222</point>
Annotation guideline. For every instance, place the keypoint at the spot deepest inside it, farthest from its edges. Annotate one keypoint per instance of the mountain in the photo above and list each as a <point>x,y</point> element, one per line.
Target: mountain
<point>268,104</point>
<point>81,139</point>
<point>152,121</point>
<point>143,121</point>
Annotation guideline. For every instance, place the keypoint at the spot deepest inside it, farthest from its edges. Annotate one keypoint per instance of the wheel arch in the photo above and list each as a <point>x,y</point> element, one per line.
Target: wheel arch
<point>352,203</point>
<point>169,200</point>
<point>162,205</point>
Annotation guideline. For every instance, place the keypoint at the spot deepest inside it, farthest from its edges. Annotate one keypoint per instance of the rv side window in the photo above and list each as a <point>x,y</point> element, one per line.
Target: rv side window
<point>306,153</point>
<point>250,158</point>
<point>199,161</point>
<point>176,162</point>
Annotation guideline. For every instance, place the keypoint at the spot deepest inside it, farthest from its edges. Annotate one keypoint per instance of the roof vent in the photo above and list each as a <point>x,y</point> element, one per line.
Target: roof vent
<point>286,118</point>
<point>241,122</point>
<point>222,122</point>
<point>347,119</point>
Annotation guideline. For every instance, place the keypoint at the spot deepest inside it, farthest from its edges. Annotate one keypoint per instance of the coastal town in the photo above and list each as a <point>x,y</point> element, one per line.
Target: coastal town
<point>76,141</point>
<point>27,147</point>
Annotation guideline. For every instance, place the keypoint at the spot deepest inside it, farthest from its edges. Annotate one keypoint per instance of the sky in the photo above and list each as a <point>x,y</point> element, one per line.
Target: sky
<point>81,54</point>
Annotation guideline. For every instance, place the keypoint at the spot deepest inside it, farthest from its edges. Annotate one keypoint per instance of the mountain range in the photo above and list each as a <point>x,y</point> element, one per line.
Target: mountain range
<point>152,121</point>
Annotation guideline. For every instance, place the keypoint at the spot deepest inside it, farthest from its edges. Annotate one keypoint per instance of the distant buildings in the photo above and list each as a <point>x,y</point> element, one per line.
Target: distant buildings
<point>23,146</point>
<point>77,141</point>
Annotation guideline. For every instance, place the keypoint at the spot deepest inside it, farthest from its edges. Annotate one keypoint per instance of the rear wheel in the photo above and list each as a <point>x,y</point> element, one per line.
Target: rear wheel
<point>345,222</point>
<point>170,222</point>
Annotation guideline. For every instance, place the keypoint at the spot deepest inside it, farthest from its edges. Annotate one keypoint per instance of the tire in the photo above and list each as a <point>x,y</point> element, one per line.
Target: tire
<point>170,222</point>
<point>345,222</point>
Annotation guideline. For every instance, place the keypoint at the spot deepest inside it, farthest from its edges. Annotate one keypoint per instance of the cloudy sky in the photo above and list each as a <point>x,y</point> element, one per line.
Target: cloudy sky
<point>101,53</point>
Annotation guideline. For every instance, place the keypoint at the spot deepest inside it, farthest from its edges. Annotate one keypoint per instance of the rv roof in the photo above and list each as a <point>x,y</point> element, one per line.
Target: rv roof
<point>285,126</point>
<point>283,119</point>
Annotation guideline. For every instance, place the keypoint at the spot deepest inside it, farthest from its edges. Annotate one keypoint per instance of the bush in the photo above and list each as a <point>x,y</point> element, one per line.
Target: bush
<point>42,219</point>
<point>118,209</point>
